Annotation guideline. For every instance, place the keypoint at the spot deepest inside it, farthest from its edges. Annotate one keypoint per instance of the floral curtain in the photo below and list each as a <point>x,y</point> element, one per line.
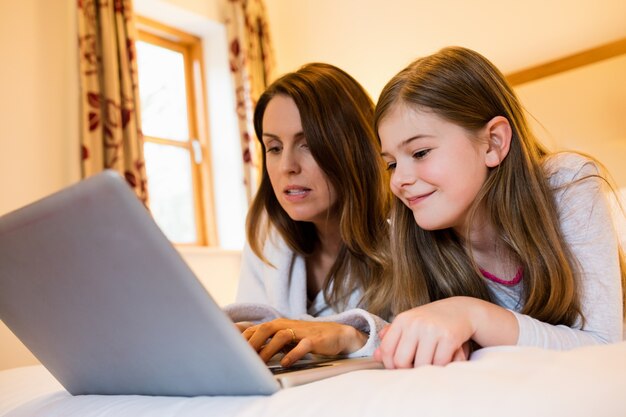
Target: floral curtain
<point>110,117</point>
<point>251,63</point>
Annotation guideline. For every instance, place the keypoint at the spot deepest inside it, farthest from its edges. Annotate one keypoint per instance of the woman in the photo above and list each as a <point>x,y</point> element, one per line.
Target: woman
<point>317,230</point>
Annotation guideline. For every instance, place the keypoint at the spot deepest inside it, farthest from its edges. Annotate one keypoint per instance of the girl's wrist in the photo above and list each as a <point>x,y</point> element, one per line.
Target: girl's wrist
<point>491,324</point>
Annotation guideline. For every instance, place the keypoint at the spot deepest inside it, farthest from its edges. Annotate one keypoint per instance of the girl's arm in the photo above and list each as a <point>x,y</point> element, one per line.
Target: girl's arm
<point>587,225</point>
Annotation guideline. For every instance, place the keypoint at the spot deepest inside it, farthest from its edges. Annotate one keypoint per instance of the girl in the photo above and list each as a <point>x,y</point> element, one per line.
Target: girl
<point>495,240</point>
<point>317,235</point>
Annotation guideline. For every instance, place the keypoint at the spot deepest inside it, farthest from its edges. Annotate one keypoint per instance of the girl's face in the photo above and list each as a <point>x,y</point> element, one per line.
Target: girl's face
<point>300,185</point>
<point>437,168</point>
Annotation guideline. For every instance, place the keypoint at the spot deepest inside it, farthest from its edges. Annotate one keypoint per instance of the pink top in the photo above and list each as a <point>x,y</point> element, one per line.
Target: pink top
<point>516,279</point>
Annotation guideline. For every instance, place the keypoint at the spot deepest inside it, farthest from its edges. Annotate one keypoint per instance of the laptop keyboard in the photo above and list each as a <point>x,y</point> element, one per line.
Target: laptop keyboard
<point>297,367</point>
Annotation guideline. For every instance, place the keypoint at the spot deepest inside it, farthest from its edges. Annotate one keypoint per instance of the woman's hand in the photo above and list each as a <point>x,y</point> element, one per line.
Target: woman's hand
<point>302,337</point>
<point>243,325</point>
<point>439,332</point>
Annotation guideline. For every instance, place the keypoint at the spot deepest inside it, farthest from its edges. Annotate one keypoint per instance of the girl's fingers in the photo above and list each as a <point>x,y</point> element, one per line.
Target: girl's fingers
<point>425,352</point>
<point>406,349</point>
<point>460,355</point>
<point>389,345</point>
<point>444,353</point>
<point>383,332</point>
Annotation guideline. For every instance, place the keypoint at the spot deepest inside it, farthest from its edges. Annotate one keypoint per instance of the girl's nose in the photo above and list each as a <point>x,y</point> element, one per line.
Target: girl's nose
<point>401,177</point>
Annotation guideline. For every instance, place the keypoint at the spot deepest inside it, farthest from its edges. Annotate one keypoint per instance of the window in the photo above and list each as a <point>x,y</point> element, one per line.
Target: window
<point>173,120</point>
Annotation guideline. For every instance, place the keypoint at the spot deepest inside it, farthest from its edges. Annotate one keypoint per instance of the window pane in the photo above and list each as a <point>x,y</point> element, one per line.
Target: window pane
<point>170,190</point>
<point>162,92</point>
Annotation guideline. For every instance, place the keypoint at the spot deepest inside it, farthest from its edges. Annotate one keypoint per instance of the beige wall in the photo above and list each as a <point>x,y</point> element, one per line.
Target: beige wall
<point>39,101</point>
<point>583,109</point>
<point>38,114</point>
<point>374,39</point>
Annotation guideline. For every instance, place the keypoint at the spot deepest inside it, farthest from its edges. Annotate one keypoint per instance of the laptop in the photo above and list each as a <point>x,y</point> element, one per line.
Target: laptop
<point>89,283</point>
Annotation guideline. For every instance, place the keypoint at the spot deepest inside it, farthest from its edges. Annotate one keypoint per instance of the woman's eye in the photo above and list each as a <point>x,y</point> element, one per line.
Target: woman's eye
<point>304,146</point>
<point>273,149</point>
<point>421,154</point>
<point>391,166</point>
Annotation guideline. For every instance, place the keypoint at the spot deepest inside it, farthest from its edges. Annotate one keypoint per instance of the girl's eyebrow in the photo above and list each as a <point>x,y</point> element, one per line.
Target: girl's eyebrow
<point>406,142</point>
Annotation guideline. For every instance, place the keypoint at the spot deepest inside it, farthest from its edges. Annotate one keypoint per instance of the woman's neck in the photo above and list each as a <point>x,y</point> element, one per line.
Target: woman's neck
<point>321,261</point>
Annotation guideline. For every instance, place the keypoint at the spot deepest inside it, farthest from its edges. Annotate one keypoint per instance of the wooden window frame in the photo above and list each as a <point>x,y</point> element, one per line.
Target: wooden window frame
<point>190,47</point>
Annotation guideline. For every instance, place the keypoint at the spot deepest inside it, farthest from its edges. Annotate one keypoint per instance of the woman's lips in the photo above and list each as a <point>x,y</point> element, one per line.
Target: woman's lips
<point>296,193</point>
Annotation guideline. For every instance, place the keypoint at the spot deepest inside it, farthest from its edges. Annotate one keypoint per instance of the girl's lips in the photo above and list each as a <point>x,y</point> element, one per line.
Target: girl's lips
<point>418,199</point>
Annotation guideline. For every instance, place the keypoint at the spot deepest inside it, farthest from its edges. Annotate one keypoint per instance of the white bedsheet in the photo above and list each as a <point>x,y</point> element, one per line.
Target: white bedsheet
<point>589,381</point>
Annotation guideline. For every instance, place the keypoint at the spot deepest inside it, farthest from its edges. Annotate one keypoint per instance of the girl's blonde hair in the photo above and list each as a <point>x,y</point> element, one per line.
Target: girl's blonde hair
<point>464,88</point>
<point>336,115</point>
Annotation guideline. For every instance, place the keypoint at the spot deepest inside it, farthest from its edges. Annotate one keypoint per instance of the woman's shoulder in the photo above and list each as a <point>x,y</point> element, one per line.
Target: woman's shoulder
<point>563,168</point>
<point>275,248</point>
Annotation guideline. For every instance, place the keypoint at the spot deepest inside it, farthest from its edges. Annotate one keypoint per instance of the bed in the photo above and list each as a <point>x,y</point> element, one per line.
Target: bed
<point>588,381</point>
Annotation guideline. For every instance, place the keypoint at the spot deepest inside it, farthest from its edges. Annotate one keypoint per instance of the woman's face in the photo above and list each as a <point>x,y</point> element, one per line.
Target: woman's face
<point>300,185</point>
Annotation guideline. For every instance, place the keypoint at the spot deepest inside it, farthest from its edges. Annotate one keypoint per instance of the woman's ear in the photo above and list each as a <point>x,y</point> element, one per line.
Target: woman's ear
<point>499,134</point>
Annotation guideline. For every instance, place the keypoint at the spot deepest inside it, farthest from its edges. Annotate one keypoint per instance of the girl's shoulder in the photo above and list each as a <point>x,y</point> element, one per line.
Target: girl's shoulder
<point>564,168</point>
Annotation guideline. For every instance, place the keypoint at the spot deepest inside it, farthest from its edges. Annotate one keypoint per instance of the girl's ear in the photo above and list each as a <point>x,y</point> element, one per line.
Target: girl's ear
<point>499,133</point>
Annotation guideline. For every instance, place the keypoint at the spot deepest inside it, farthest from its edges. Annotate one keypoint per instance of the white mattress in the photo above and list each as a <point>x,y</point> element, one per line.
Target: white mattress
<point>523,382</point>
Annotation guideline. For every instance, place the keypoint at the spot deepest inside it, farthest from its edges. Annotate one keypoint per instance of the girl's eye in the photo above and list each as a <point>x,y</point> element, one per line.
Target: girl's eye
<point>391,166</point>
<point>304,145</point>
<point>421,154</point>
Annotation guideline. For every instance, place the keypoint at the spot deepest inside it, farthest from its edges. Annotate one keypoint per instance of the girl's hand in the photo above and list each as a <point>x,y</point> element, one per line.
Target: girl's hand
<point>437,333</point>
<point>302,337</point>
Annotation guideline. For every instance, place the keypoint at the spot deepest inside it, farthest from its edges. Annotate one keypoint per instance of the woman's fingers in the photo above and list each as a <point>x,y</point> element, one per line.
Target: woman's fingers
<point>303,347</point>
<point>243,325</point>
<point>279,340</point>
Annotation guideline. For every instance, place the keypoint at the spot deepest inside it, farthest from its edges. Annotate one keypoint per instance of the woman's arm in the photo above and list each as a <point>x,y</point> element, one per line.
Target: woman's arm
<point>353,333</point>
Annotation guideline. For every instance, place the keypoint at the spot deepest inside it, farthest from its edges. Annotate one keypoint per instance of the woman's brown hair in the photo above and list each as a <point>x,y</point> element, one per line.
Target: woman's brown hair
<point>336,115</point>
<point>464,88</point>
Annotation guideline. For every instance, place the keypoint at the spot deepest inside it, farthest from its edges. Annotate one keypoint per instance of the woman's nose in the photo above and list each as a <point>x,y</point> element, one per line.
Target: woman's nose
<point>289,162</point>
